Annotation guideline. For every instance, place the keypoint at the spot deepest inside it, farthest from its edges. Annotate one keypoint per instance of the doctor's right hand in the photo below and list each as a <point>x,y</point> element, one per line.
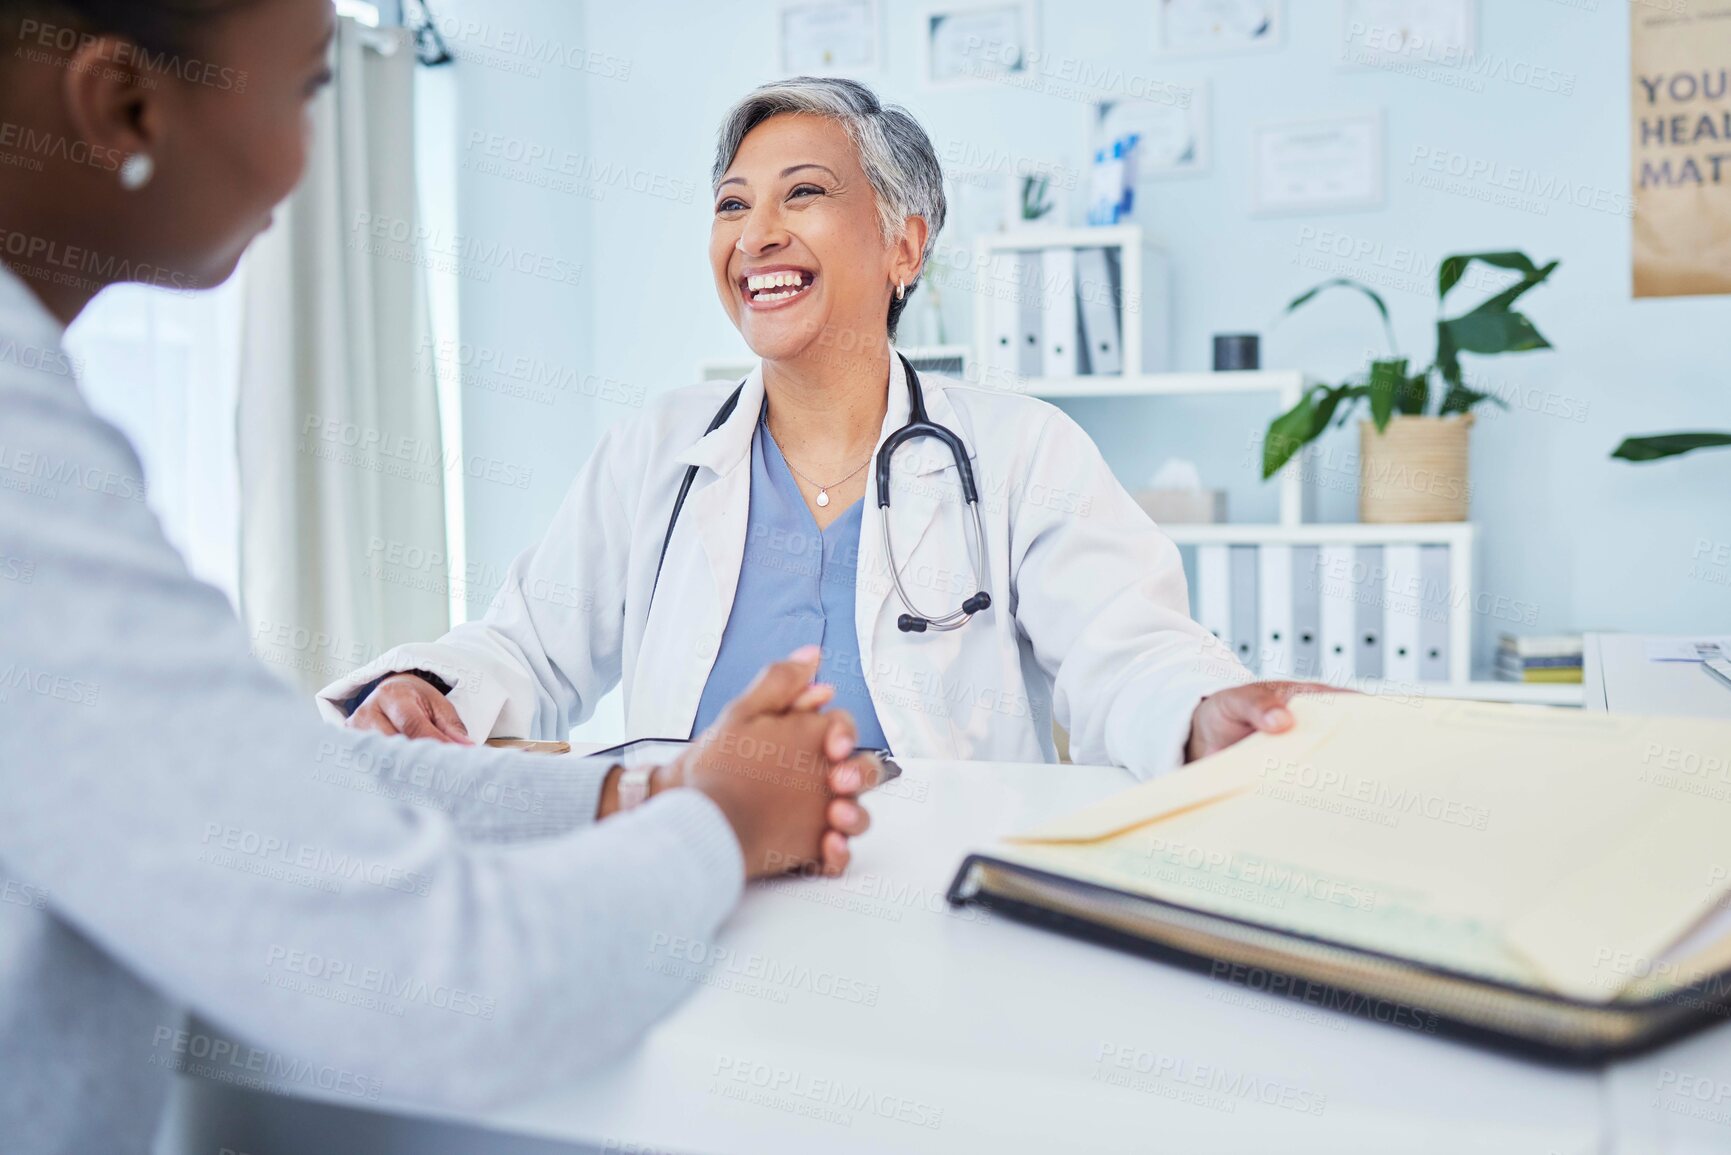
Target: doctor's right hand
<point>782,773</point>
<point>409,705</point>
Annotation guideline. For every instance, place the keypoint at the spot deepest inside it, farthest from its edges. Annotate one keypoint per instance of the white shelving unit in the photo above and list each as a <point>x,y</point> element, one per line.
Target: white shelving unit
<point>1284,387</point>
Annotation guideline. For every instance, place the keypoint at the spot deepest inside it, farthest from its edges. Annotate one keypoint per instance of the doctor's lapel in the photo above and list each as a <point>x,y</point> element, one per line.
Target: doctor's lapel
<point>684,634</point>
<point>925,498</point>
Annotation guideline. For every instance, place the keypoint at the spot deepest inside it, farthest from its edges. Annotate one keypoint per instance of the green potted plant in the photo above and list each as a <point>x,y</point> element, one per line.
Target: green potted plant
<point>1413,449</point>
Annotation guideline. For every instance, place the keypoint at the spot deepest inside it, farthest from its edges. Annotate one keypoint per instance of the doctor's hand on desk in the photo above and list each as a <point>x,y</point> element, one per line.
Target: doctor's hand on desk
<point>1230,716</point>
<point>410,705</point>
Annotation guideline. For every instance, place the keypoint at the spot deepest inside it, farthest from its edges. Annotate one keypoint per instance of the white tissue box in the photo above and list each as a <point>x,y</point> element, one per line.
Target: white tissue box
<point>1183,506</point>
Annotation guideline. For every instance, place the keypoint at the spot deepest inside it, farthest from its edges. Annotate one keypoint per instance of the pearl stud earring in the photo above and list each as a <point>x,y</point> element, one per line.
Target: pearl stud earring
<point>137,171</point>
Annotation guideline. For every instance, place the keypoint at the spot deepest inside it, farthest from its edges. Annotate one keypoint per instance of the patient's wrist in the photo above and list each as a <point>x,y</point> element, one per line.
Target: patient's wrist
<point>614,801</point>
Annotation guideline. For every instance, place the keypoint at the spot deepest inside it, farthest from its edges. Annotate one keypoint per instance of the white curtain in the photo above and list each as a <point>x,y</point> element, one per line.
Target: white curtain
<point>343,471</point>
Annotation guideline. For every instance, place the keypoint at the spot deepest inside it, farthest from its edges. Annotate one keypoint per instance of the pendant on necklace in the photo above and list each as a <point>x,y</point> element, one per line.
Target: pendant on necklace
<point>822,498</point>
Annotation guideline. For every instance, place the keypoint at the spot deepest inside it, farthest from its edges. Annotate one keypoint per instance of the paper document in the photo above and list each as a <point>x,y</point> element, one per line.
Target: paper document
<point>1560,851</point>
<point>1687,649</point>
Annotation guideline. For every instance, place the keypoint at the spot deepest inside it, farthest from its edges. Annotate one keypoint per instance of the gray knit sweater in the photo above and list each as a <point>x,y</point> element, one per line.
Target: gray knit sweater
<point>375,918</point>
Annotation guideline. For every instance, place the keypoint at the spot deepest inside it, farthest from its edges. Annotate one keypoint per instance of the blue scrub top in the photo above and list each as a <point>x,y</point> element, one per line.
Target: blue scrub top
<point>796,588</point>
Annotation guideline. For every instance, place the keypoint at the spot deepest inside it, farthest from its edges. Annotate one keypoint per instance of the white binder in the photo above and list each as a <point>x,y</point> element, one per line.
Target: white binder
<point>1098,296</point>
<point>1338,611</point>
<point>1274,592</point>
<point>1061,332</point>
<point>1433,626</point>
<point>1367,585</point>
<point>1031,307</point>
<point>1245,641</point>
<point>1306,614</point>
<point>1401,611</point>
<point>1214,591</point>
<point>1002,354</point>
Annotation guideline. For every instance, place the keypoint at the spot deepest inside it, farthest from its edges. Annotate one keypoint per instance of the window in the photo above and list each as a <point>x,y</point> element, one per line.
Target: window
<point>165,367</point>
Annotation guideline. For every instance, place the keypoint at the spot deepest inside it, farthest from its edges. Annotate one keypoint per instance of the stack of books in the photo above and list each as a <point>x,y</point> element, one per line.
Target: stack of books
<point>1555,659</point>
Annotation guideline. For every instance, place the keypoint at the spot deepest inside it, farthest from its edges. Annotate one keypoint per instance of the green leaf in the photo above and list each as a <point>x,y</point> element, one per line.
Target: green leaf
<point>1305,298</point>
<point>1289,433</point>
<point>1344,394</point>
<point>1455,267</point>
<point>1506,299</point>
<point>1461,399</point>
<point>1385,382</point>
<point>1670,445</point>
<point>1413,395</point>
<point>1492,332</point>
<point>1303,423</point>
<point>1448,356</point>
<point>1331,402</point>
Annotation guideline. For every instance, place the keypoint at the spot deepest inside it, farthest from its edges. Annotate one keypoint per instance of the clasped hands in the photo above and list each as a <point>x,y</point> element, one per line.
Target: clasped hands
<point>783,773</point>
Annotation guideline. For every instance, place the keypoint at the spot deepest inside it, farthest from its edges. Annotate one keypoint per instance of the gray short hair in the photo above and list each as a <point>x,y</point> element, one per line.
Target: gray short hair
<point>894,150</point>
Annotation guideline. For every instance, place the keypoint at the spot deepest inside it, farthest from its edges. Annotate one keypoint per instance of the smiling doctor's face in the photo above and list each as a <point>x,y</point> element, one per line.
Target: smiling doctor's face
<point>797,247</point>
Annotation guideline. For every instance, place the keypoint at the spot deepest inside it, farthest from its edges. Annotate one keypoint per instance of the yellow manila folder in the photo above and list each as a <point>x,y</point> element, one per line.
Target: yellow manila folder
<point>1563,852</point>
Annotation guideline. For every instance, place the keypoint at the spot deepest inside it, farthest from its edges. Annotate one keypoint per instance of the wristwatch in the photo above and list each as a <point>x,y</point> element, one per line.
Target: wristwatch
<point>634,786</point>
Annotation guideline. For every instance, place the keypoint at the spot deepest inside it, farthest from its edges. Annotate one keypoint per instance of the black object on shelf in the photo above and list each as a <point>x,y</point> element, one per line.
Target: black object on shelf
<point>1237,351</point>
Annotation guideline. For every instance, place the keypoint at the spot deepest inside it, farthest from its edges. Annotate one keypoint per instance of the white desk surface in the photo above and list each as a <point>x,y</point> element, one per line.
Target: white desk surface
<point>994,1031</point>
<point>1000,1027</point>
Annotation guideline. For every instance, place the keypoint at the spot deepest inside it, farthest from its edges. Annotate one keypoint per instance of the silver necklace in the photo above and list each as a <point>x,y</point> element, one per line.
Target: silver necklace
<point>822,489</point>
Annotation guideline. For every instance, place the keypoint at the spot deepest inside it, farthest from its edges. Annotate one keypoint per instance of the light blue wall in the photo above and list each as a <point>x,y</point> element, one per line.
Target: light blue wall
<point>1588,542</point>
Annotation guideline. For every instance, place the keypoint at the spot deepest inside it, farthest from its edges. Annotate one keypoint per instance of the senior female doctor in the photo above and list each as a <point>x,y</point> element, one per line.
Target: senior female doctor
<point>735,520</point>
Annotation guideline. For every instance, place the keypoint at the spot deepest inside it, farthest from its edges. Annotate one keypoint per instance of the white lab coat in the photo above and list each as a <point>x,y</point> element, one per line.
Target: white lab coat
<point>1089,620</point>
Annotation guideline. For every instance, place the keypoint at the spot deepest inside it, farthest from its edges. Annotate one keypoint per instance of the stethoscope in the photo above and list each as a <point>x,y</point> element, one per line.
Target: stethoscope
<point>919,425</point>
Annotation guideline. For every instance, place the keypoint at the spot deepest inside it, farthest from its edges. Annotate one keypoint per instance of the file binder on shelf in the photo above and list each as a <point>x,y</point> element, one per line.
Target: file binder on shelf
<point>1274,587</point>
<point>1214,591</point>
<point>1246,641</point>
<point>1098,294</point>
<point>1058,290</point>
<point>1003,354</point>
<point>1031,327</point>
<point>1306,614</point>
<point>1435,609</point>
<point>1368,588</point>
<point>1401,605</point>
<point>1338,610</point>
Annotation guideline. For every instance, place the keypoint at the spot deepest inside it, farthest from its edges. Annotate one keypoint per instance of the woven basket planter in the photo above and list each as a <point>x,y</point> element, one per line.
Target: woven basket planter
<point>1414,471</point>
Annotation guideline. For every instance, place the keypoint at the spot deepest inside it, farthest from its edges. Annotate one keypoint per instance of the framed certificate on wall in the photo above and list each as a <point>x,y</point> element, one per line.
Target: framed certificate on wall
<point>1172,135</point>
<point>1382,32</point>
<point>1317,166</point>
<point>1201,27</point>
<point>830,37</point>
<point>971,44</point>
